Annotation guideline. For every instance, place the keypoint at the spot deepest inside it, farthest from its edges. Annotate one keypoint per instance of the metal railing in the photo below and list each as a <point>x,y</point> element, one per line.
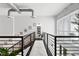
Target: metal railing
<point>11,37</point>
<point>23,42</point>
<point>49,43</point>
<point>52,43</point>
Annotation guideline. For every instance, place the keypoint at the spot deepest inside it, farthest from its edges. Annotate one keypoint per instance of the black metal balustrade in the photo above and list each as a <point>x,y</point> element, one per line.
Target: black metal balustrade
<point>23,42</point>
<point>7,38</point>
<point>61,45</point>
<point>49,43</point>
<point>55,45</point>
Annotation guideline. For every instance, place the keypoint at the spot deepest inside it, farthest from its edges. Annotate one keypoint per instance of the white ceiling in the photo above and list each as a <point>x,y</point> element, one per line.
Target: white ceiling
<point>4,5</point>
<point>40,9</point>
<point>44,9</point>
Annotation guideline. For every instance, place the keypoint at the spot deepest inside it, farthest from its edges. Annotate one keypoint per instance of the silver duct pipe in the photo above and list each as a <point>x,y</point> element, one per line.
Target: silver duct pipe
<point>21,10</point>
<point>14,6</point>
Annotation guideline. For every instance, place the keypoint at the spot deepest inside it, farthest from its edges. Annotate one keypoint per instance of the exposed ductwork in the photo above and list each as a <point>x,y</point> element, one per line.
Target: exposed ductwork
<point>14,6</point>
<point>21,10</point>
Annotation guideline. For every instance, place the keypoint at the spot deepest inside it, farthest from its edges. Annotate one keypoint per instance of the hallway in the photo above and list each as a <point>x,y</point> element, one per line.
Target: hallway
<point>38,49</point>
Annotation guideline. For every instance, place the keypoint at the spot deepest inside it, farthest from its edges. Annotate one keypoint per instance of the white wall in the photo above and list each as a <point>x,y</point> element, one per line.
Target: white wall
<point>22,22</point>
<point>47,24</point>
<point>5,25</point>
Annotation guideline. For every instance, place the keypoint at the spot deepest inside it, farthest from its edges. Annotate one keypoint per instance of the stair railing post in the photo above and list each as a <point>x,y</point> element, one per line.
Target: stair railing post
<point>13,48</point>
<point>64,51</point>
<point>44,36</point>
<point>22,45</point>
<point>30,37</point>
<point>34,36</point>
<point>55,46</point>
<point>60,50</point>
<point>47,43</point>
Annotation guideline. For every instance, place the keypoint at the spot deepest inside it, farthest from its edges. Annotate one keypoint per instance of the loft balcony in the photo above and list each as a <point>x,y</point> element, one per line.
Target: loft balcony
<point>39,29</point>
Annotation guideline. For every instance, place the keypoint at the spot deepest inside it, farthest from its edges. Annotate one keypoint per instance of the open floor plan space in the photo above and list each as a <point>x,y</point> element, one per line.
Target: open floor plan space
<point>39,29</point>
